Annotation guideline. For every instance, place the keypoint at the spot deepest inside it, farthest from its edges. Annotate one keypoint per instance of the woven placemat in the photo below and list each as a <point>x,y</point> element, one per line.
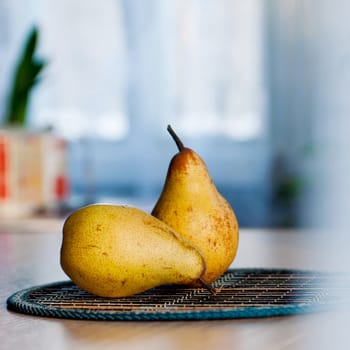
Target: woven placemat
<point>242,293</point>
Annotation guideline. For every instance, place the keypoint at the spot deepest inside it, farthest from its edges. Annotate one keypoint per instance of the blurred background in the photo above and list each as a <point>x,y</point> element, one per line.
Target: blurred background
<point>258,88</point>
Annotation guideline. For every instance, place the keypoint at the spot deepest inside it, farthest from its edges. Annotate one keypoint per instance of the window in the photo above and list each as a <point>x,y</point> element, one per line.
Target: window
<point>121,70</point>
<point>113,64</point>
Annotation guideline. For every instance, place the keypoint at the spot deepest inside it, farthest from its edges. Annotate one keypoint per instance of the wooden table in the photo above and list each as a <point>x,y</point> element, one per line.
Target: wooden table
<point>29,255</point>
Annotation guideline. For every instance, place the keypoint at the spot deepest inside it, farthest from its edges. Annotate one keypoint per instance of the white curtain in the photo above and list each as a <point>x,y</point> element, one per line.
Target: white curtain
<point>114,64</point>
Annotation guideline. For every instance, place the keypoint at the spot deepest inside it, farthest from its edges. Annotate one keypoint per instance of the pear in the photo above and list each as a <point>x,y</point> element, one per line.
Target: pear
<point>191,204</point>
<point>117,251</point>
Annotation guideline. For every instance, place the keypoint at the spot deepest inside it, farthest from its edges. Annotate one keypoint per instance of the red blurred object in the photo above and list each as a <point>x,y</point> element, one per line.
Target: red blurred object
<point>62,187</point>
<point>3,169</point>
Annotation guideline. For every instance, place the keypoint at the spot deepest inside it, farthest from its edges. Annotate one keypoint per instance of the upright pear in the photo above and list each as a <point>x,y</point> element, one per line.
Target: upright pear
<point>191,204</point>
<point>117,251</point>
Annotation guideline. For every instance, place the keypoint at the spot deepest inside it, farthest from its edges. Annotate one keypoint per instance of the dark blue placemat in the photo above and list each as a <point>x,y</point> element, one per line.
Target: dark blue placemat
<point>242,293</point>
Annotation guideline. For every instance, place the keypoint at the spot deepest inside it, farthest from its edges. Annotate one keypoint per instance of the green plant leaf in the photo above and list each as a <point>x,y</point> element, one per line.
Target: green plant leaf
<point>25,77</point>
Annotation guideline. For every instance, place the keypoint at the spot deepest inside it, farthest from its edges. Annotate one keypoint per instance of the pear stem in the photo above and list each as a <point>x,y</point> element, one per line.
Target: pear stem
<point>176,138</point>
<point>206,285</point>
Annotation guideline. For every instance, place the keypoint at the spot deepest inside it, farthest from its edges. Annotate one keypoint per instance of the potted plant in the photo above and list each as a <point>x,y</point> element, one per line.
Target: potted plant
<point>32,163</point>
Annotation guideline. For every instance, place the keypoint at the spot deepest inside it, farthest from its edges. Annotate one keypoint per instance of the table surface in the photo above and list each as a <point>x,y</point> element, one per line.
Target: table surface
<point>29,255</point>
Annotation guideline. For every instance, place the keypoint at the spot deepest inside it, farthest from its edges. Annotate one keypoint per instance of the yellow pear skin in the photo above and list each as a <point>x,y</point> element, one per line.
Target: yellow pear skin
<point>117,251</point>
<point>191,204</point>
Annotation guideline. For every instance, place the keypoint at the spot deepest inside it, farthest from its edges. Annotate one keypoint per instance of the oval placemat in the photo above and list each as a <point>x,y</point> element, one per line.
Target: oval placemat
<point>241,293</point>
